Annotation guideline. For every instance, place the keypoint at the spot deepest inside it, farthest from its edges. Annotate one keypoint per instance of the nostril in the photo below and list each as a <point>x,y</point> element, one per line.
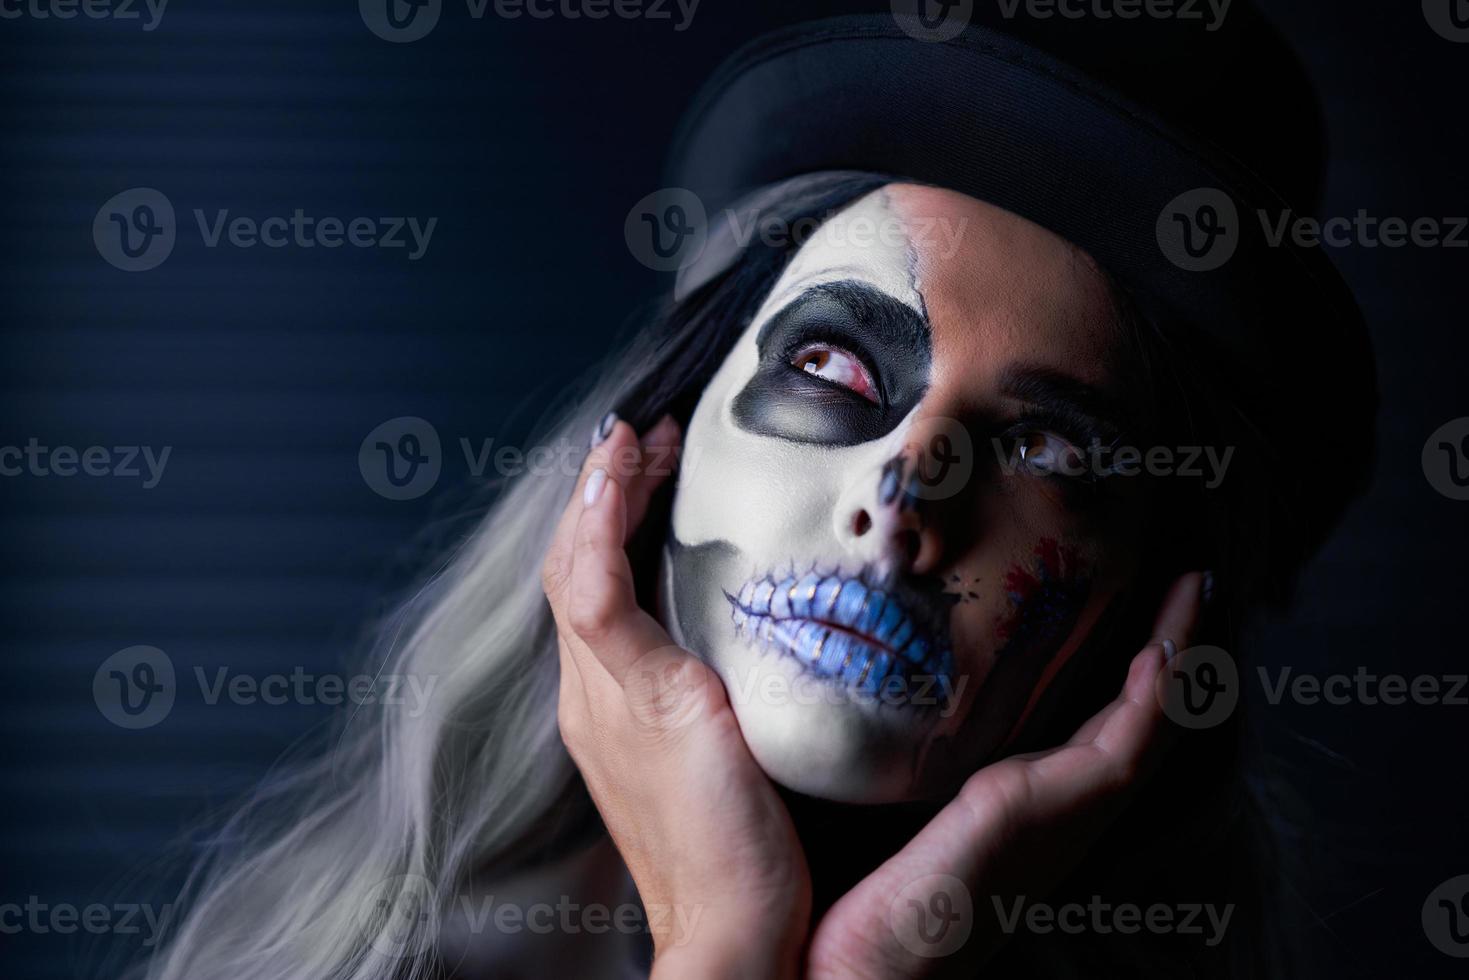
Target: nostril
<point>862,523</point>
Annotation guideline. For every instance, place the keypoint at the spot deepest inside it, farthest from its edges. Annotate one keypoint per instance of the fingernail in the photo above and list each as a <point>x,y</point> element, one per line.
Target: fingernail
<point>1170,650</point>
<point>594,486</point>
<point>604,429</point>
<point>1206,591</point>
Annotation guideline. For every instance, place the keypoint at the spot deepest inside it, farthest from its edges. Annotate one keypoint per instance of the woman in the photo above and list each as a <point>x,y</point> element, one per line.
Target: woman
<point>881,667</point>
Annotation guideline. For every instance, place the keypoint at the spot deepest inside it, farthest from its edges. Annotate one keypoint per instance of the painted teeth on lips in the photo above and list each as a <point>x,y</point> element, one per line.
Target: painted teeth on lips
<point>839,629</point>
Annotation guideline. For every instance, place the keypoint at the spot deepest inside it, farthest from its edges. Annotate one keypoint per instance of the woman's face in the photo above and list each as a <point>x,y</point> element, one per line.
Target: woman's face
<point>869,542</point>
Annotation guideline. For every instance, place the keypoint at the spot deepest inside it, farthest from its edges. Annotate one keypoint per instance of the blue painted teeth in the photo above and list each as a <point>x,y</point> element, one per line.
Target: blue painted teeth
<point>825,622</point>
<point>826,594</point>
<point>780,604</point>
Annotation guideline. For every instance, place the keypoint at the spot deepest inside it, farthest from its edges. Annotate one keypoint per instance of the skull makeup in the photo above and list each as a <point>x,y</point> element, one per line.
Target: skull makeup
<point>881,602</point>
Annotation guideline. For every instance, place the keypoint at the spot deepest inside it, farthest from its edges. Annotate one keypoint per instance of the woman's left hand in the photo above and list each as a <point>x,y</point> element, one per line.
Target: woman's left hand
<point>1016,828</point>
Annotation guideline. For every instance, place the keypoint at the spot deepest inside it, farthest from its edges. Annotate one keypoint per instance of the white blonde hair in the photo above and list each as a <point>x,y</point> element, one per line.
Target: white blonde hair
<point>305,880</point>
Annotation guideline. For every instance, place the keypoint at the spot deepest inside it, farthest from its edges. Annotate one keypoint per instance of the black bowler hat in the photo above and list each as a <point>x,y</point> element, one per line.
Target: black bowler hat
<point>1169,148</point>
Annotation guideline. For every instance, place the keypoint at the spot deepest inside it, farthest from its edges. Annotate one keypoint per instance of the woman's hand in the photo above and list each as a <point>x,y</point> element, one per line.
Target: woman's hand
<point>1016,828</point>
<point>708,843</point>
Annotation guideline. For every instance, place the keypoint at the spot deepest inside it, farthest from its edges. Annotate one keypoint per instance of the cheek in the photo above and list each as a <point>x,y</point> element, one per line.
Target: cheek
<point>1045,594</point>
<point>775,501</point>
<point>1025,597</point>
<point>1030,583</point>
<point>1055,569</point>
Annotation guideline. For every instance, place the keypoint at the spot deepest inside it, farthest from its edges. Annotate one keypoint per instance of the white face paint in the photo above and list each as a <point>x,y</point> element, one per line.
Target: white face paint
<point>751,506</point>
<point>882,629</point>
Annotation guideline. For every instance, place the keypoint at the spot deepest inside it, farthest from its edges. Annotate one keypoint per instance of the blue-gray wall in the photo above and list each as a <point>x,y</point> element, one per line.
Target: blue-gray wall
<point>262,549</point>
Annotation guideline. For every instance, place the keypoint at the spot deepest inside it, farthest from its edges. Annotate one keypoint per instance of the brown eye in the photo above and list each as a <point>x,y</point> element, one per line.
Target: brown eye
<point>837,366</point>
<point>1047,454</point>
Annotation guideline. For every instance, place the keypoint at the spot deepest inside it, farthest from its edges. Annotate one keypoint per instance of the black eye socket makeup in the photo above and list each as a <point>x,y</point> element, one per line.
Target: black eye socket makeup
<point>893,342</point>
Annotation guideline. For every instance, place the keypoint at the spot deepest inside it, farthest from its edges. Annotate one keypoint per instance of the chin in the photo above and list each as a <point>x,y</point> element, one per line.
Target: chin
<point>818,737</point>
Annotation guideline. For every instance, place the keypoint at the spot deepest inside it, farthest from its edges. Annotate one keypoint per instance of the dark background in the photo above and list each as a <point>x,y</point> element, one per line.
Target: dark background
<point>263,549</point>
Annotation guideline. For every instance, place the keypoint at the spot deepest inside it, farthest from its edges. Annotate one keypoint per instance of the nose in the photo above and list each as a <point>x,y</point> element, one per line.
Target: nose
<point>884,519</point>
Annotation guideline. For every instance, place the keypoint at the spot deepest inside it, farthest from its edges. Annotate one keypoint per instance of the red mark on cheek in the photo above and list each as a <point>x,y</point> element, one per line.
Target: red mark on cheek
<point>1046,598</point>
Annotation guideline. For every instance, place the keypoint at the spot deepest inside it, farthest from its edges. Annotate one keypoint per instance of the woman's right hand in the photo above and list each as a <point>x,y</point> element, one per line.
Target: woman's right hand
<point>697,822</point>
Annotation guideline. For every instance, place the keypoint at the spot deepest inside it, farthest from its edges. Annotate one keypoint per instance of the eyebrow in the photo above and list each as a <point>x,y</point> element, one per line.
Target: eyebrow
<point>1067,397</point>
<point>892,320</point>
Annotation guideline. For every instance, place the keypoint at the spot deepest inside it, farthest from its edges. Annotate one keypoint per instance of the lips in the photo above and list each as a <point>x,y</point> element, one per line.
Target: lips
<point>841,629</point>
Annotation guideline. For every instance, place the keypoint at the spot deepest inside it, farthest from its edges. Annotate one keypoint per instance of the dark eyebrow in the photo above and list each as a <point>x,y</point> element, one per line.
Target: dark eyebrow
<point>892,321</point>
<point>1065,396</point>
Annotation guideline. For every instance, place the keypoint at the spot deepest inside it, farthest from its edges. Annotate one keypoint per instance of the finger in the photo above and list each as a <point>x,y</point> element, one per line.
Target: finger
<point>1132,725</point>
<point>1113,751</point>
<point>601,606</point>
<point>556,569</point>
<point>1070,794</point>
<point>658,463</point>
<point>1178,617</point>
<point>1061,799</point>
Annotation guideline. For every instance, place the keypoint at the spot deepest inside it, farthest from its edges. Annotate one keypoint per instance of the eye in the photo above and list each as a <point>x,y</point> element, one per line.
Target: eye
<point>1047,454</point>
<point>837,366</point>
